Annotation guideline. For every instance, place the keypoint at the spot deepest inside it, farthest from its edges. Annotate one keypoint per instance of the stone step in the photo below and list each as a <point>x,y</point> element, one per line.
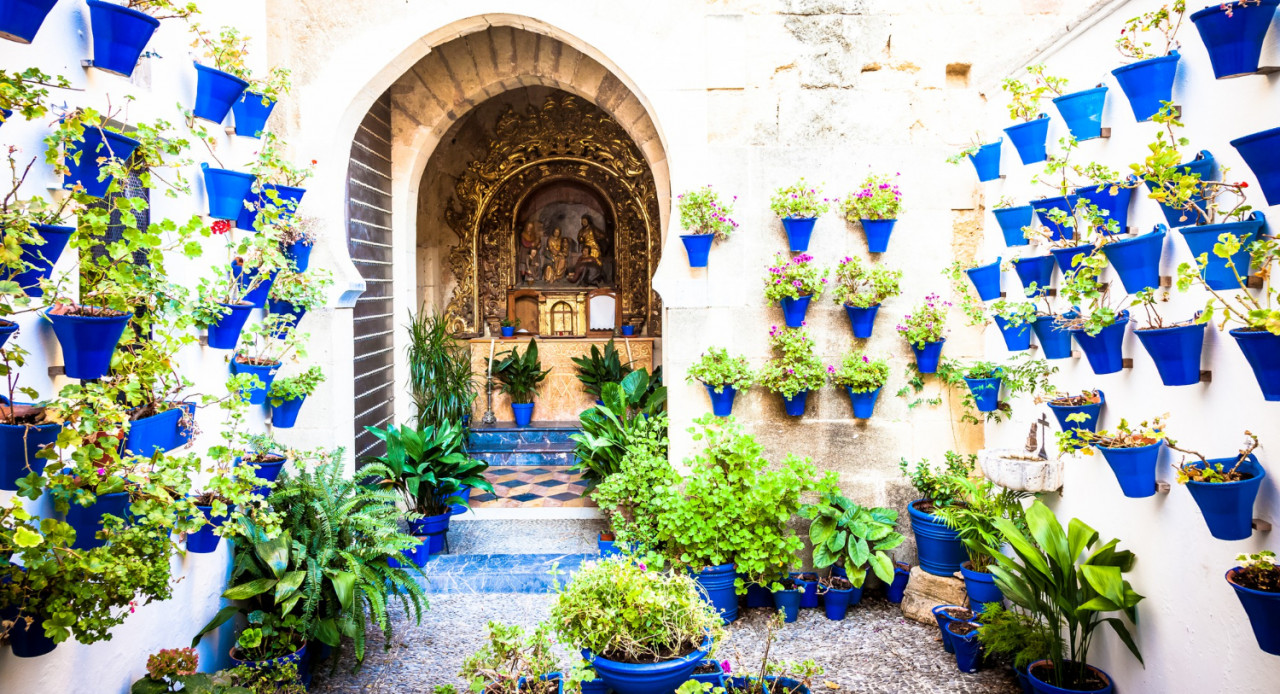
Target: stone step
<point>505,436</point>
<point>501,573</point>
<point>475,536</point>
<point>547,456</point>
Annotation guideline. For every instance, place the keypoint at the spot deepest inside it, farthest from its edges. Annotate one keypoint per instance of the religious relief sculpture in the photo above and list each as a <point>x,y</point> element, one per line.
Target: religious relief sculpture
<point>557,256</point>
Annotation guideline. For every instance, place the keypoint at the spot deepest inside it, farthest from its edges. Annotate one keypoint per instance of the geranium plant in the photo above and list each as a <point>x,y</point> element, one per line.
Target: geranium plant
<point>1024,97</point>
<point>703,212</point>
<point>927,323</point>
<point>793,278</point>
<point>1259,571</point>
<point>1124,436</point>
<point>1254,311</point>
<point>295,387</point>
<point>861,286</point>
<point>860,373</point>
<point>1199,201</point>
<point>511,663</point>
<point>1213,473</point>
<point>799,201</point>
<point>1136,37</point>
<point>795,366</point>
<point>716,368</point>
<point>878,198</point>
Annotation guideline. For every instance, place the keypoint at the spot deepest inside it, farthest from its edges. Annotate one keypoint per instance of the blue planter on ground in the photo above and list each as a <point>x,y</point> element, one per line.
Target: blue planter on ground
<point>1259,152</point>
<point>27,641</point>
<point>981,588</point>
<point>662,677</point>
<point>296,658</point>
<point>1116,206</point>
<point>1036,270</point>
<point>794,310</point>
<point>1024,682</point>
<point>1227,507</point>
<point>1016,337</point>
<point>1063,203</point>
<point>95,145</point>
<point>286,200</point>
<point>809,586</point>
<point>434,529</point>
<point>285,415</point>
<point>87,342</point>
<point>986,279</point>
<point>1217,273</point>
<point>265,374</point>
<point>298,253</point>
<point>225,333</point>
<point>1093,410</point>
<point>927,356</point>
<point>757,596</point>
<point>250,113</point>
<point>1069,259</point>
<point>1029,139</point>
<point>708,678</point>
<point>87,520</point>
<point>835,603</point>
<point>21,19</point>
<point>1262,351</point>
<point>1137,260</point>
<point>1011,221</point>
<point>18,447</point>
<point>1148,84</point>
<point>120,35</point>
<point>1232,33</point>
<point>986,161</point>
<point>1263,610</point>
<point>967,648</point>
<point>1083,112</point>
<point>286,308</point>
<point>862,320</point>
<point>204,541</point>
<point>216,92</point>
<point>42,257</point>
<point>1042,668</point>
<point>799,231</point>
<point>795,405</point>
<point>901,575</point>
<point>1203,166</point>
<point>697,247</point>
<point>788,600</point>
<point>986,392</point>
<point>943,619</point>
<point>722,402</point>
<point>878,231</point>
<point>155,434</point>
<point>775,685</point>
<point>522,412</point>
<point>225,190</point>
<point>939,548</point>
<point>1055,341</point>
<point>1176,352</point>
<point>716,585</point>
<point>1134,468</point>
<point>1104,350</point>
<point>864,404</point>
<point>608,548</point>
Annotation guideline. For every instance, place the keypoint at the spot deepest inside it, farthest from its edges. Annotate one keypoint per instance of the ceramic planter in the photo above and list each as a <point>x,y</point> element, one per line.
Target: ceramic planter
<point>967,648</point>
<point>287,199</point>
<point>250,113</point>
<point>1262,351</point>
<point>1055,341</point>
<point>298,253</point>
<point>1065,204</point>
<point>716,586</point>
<point>464,502</point>
<point>286,308</point>
<point>1093,410</point>
<point>1016,337</point>
<point>120,35</point>
<point>434,528</point>
<point>835,603</point>
<point>285,415</point>
<point>87,342</point>
<point>721,402</point>
<point>1203,166</point>
<point>864,403</point>
<point>901,576</point>
<point>1104,351</point>
<point>777,685</point>
<point>1020,471</point>
<point>1228,506</point>
<point>1176,352</point>
<point>216,92</point>
<point>788,600</point>
<point>1069,259</point>
<point>257,297</point>
<point>986,392</point>
<point>757,596</point>
<point>1029,139</point>
<point>808,589</point>
<point>265,374</point>
<point>1137,260</point>
<point>21,19</point>
<point>1263,610</point>
<point>7,330</point>
<point>42,257</point>
<point>1217,273</point>
<point>628,330</point>
<point>266,471</point>
<point>878,231</point>
<point>799,231</point>
<point>1042,669</point>
<point>794,310</point>
<point>1148,84</point>
<point>986,161</point>
<point>155,434</point>
<point>1114,205</point>
<point>1012,220</point>
<point>713,678</point>
<point>97,144</point>
<point>1258,151</point>
<point>18,447</point>
<point>522,412</point>
<point>204,541</point>
<point>1035,273</point>
<point>1234,41</point>
<point>981,588</point>
<point>986,280</point>
<point>1135,468</point>
<point>225,332</point>
<point>225,190</point>
<point>87,520</point>
<point>939,548</point>
<point>1083,112</point>
<point>795,405</point>
<point>698,247</point>
<point>940,614</point>
<point>508,331</point>
<point>862,320</point>
<point>646,678</point>
<point>927,356</point>
<point>608,548</point>
<point>27,640</point>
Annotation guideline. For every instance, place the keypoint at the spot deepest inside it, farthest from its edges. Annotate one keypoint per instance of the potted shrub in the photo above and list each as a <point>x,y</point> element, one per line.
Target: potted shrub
<point>1015,637</point>
<point>979,504</point>
<point>633,499</point>
<point>251,111</point>
<point>122,29</point>
<point>279,188</point>
<point>287,395</point>
<point>1148,82</point>
<point>608,610</point>
<point>793,284</point>
<point>600,367</point>
<point>1078,412</point>
<point>876,207</point>
<point>1132,453</point>
<point>863,378</point>
<point>1082,112</point>
<point>1256,581</point>
<point>986,280</point>
<point>520,376</point>
<point>1069,592</point>
<point>222,82</point>
<point>512,663</point>
<point>984,379</point>
<point>260,354</point>
<point>984,157</point>
<point>631,415</point>
<point>508,326</point>
<point>854,538</point>
<point>799,205</point>
<point>1013,219</point>
<point>706,219</point>
<point>861,290</point>
<point>1032,130</point>
<point>1223,488</point>
<point>1233,32</point>
<point>1016,319</point>
<point>926,330</point>
<point>794,369</point>
<point>723,376</point>
<point>19,21</point>
<point>939,548</point>
<point>771,677</point>
<point>441,383</point>
<point>1174,347</point>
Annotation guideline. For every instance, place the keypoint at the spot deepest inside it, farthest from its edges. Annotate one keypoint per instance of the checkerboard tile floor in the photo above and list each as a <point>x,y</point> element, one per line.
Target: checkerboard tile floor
<point>523,486</point>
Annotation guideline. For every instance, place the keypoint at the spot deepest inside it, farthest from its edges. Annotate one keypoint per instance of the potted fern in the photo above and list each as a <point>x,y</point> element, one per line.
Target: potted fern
<point>521,377</point>
<point>723,376</point>
<point>287,395</point>
<point>979,505</point>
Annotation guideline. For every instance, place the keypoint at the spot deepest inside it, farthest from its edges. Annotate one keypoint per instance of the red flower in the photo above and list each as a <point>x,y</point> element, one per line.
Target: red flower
<point>1244,184</point>
<point>221,226</point>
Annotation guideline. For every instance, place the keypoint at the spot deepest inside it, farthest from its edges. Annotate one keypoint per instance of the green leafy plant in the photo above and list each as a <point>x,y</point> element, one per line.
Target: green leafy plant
<point>634,496</point>
<point>632,416</point>
<point>1024,97</point>
<point>717,369</point>
<point>600,367</point>
<point>795,366</point>
<point>1200,201</point>
<point>510,663</point>
<point>1124,436</point>
<point>860,373</point>
<point>26,93</point>
<point>799,200</point>
<point>1013,635</point>
<point>852,536</point>
<point>973,308</point>
<point>975,144</point>
<point>939,487</point>
<point>1259,571</point>
<point>428,468</point>
<point>792,278</point>
<point>703,212</point>
<point>927,323</point>
<point>295,387</point>
<point>520,375</point>
<point>441,382</point>
<point>1253,311</point>
<point>1213,473</point>
<point>878,198</point>
<point>863,287</point>
<point>770,676</point>
<point>980,505</point>
<point>1134,37</point>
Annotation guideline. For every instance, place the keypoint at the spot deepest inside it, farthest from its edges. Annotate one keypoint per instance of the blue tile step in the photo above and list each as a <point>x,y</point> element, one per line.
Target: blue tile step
<point>530,458</point>
<point>500,573</point>
<point>507,436</point>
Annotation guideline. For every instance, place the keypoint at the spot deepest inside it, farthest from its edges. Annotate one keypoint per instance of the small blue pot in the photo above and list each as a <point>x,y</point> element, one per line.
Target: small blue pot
<point>901,576</point>
<point>1083,112</point>
<point>1040,686</point>
<point>250,113</point>
<point>794,310</point>
<point>967,648</point>
<point>95,145</point>
<point>1067,257</point>
<point>286,308</point>
<point>862,320</point>
<point>799,231</point>
<point>1217,274</point>
<point>943,619</point>
<point>707,678</point>
<point>18,447</point>
<point>1137,260</point>
<point>878,231</point>
<point>8,329</point>
<point>717,586</point>
<point>1105,350</point>
<point>87,342</point>
<point>1115,206</point>
<point>986,279</point>
<point>42,258</point>
<point>508,331</point>
<point>204,541</point>
<point>986,161</point>
<point>1228,506</point>
<point>986,392</point>
<point>21,19</point>
<point>864,404</point>
<point>296,658</point>
<point>287,199</point>
<point>1012,220</point>
<point>939,548</point>
<point>927,357</point>
<point>1203,166</point>
<point>757,596</point>
<point>155,434</point>
<point>1094,410</point>
<point>434,529</point>
<point>795,405</point>
<point>628,330</point>
<point>120,35</point>
<point>258,295</point>
<point>27,641</point>
<point>1016,337</point>
<point>522,412</point>
<point>285,415</point>
<point>809,599</point>
<point>87,520</point>
<point>981,588</point>
<point>1263,610</point>
<point>1036,270</point>
<point>1262,351</point>
<point>835,603</point>
<point>298,253</point>
<point>1029,139</point>
<point>225,190</point>
<point>265,375</point>
<point>1064,203</point>
<point>1258,151</point>
<point>1176,352</point>
<point>1055,341</point>
<point>788,600</point>
<point>267,472</point>
<point>1134,468</point>
<point>216,92</point>
<point>225,333</point>
<point>698,247</point>
<point>1148,84</point>
<point>775,685</point>
<point>646,678</point>
<point>722,402</point>
<point>1234,41</point>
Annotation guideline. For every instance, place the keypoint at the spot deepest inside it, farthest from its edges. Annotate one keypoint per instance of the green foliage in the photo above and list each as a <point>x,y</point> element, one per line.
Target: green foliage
<point>855,537</point>
<point>973,308</point>
<point>927,323</point>
<point>1124,436</point>
<point>428,468</point>
<point>634,496</point>
<point>520,375</point>
<point>441,382</point>
<point>879,198</point>
<point>600,367</point>
<point>507,658</point>
<point>980,504</point>
<point>295,387</point>
<point>1252,312</point>
<point>1133,41</point>
<point>794,277</point>
<point>717,369</point>
<point>1259,571</point>
<point>864,287</point>
<point>1200,201</point>
<point>1016,313</point>
<point>939,487</point>
<point>799,200</point>
<point>860,372</point>
<point>632,417</point>
<point>1024,98</point>
<point>1013,635</point>
<point>795,366</point>
<point>26,93</point>
<point>703,212</point>
<point>764,678</point>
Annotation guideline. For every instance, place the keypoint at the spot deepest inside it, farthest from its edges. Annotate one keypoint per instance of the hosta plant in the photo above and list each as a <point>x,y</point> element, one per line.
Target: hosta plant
<point>855,537</point>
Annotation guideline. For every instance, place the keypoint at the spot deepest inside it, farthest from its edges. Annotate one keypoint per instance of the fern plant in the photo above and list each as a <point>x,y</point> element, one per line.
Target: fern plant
<point>600,367</point>
<point>979,505</point>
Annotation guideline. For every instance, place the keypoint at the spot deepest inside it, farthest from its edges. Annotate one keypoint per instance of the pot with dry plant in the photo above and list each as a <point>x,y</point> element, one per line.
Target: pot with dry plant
<point>1223,488</point>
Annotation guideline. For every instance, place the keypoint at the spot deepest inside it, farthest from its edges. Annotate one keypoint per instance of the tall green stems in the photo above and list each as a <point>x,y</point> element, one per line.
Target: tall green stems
<point>440,379</point>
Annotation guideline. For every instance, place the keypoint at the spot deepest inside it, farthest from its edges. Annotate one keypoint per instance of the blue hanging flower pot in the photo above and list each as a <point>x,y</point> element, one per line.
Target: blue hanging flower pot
<point>1217,273</point>
<point>1259,152</point>
<point>19,445</point>
<point>1137,260</point>
<point>862,320</point>
<point>1232,33</point>
<point>1134,468</point>
<point>88,520</point>
<point>864,403</point>
<point>1148,84</point>
<point>927,356</point>
<point>1064,203</point>
<point>1029,139</point>
<point>698,247</point>
<point>1093,410</point>
<point>250,113</point>
<point>7,330</point>
<point>878,231</point>
<point>258,295</point>
<point>901,576</point>
<point>224,333</point>
<point>42,258</point>
<point>986,392</point>
<point>1263,610</point>
<point>204,541</point>
<point>1176,352</point>
<point>286,201</point>
<point>1204,166</point>
<point>1115,205</point>
<point>1070,258</point>
<point>1037,272</point>
<point>1016,337</point>
<point>97,144</point>
<point>120,35</point>
<point>986,161</point>
<point>794,310</point>
<point>799,230</point>
<point>21,19</point>
<point>87,341</point>
<point>265,373</point>
<point>286,308</point>
<point>721,402</point>
<point>986,280</point>
<point>225,190</point>
<point>1262,351</point>
<point>795,405</point>
<point>155,434</point>
<point>216,92</point>
<point>1055,341</point>
<point>298,253</point>
<point>1083,112</point>
<point>1012,220</point>
<point>1104,350</point>
<point>285,415</point>
<point>1227,507</point>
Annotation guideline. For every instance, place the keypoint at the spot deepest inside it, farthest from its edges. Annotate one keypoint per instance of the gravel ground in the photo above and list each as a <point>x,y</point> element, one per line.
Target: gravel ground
<point>874,650</point>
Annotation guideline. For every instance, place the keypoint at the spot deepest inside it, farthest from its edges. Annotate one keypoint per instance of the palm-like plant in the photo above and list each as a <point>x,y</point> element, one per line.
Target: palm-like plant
<point>520,375</point>
<point>980,504</point>
<point>852,536</point>
<point>600,367</point>
<point>428,468</point>
<point>609,430</point>
<point>441,382</point>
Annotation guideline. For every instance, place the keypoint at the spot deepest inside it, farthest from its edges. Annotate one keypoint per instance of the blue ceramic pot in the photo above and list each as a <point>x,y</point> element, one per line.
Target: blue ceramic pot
<point>628,330</point>
<point>18,447</point>
<point>434,529</point>
<point>27,641</point>
<point>1203,166</point>
<point>558,678</point>
<point>119,36</point>
<point>1176,352</point>
<point>1105,350</point>
<point>286,201</point>
<point>862,320</point>
<point>608,548</point>
<point>1029,139</point>
<point>901,576</point>
<point>835,603</point>
<point>257,296</point>
<point>508,331</point>
<point>788,600</point>
<point>298,253</point>
<point>1115,205</point>
<point>1063,203</point>
<point>464,502</point>
<point>809,588</point>
<point>522,413</point>
<point>722,402</point>
<point>1083,112</point>
<point>1069,259</point>
<point>981,588</point>
<point>1011,221</point>
<point>795,405</point>
<point>267,471</point>
<point>265,374</point>
<point>415,556</point>
<point>1148,84</point>
<point>285,415</point>
<point>42,257</point>
<point>646,678</point>
<point>87,342</point>
<point>943,619</point>
<point>794,310</point>
<point>225,333</point>
<point>927,356</point>
<point>799,231</point>
<point>1024,682</point>
<point>250,113</point>
<point>21,19</point>
<point>864,404</point>
<point>986,161</point>
<point>1217,274</point>
<point>1016,337</point>
<point>155,434</point>
<point>878,231</point>
<point>967,648</point>
<point>1234,41</point>
<point>286,308</point>
<point>1135,468</point>
<point>939,548</point>
<point>986,280</point>
<point>775,685</point>
<point>225,190</point>
<point>757,596</point>
<point>1036,270</point>
<point>707,678</point>
<point>204,541</point>
<point>1262,351</point>
<point>1263,609</point>
<point>1258,151</point>
<point>216,92</point>
<point>1043,668</point>
<point>1093,410</point>
<point>716,585</point>
<point>698,247</point>
<point>1137,260</point>
<point>7,330</point>
<point>96,144</point>
<point>87,520</point>
<point>986,392</point>
<point>1055,341</point>
<point>1228,506</point>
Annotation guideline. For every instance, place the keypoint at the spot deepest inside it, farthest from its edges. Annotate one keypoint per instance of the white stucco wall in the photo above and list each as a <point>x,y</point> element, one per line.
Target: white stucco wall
<point>1189,607</point>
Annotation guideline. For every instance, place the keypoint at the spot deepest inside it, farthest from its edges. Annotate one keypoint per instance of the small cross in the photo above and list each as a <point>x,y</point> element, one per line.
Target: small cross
<point>1044,427</point>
